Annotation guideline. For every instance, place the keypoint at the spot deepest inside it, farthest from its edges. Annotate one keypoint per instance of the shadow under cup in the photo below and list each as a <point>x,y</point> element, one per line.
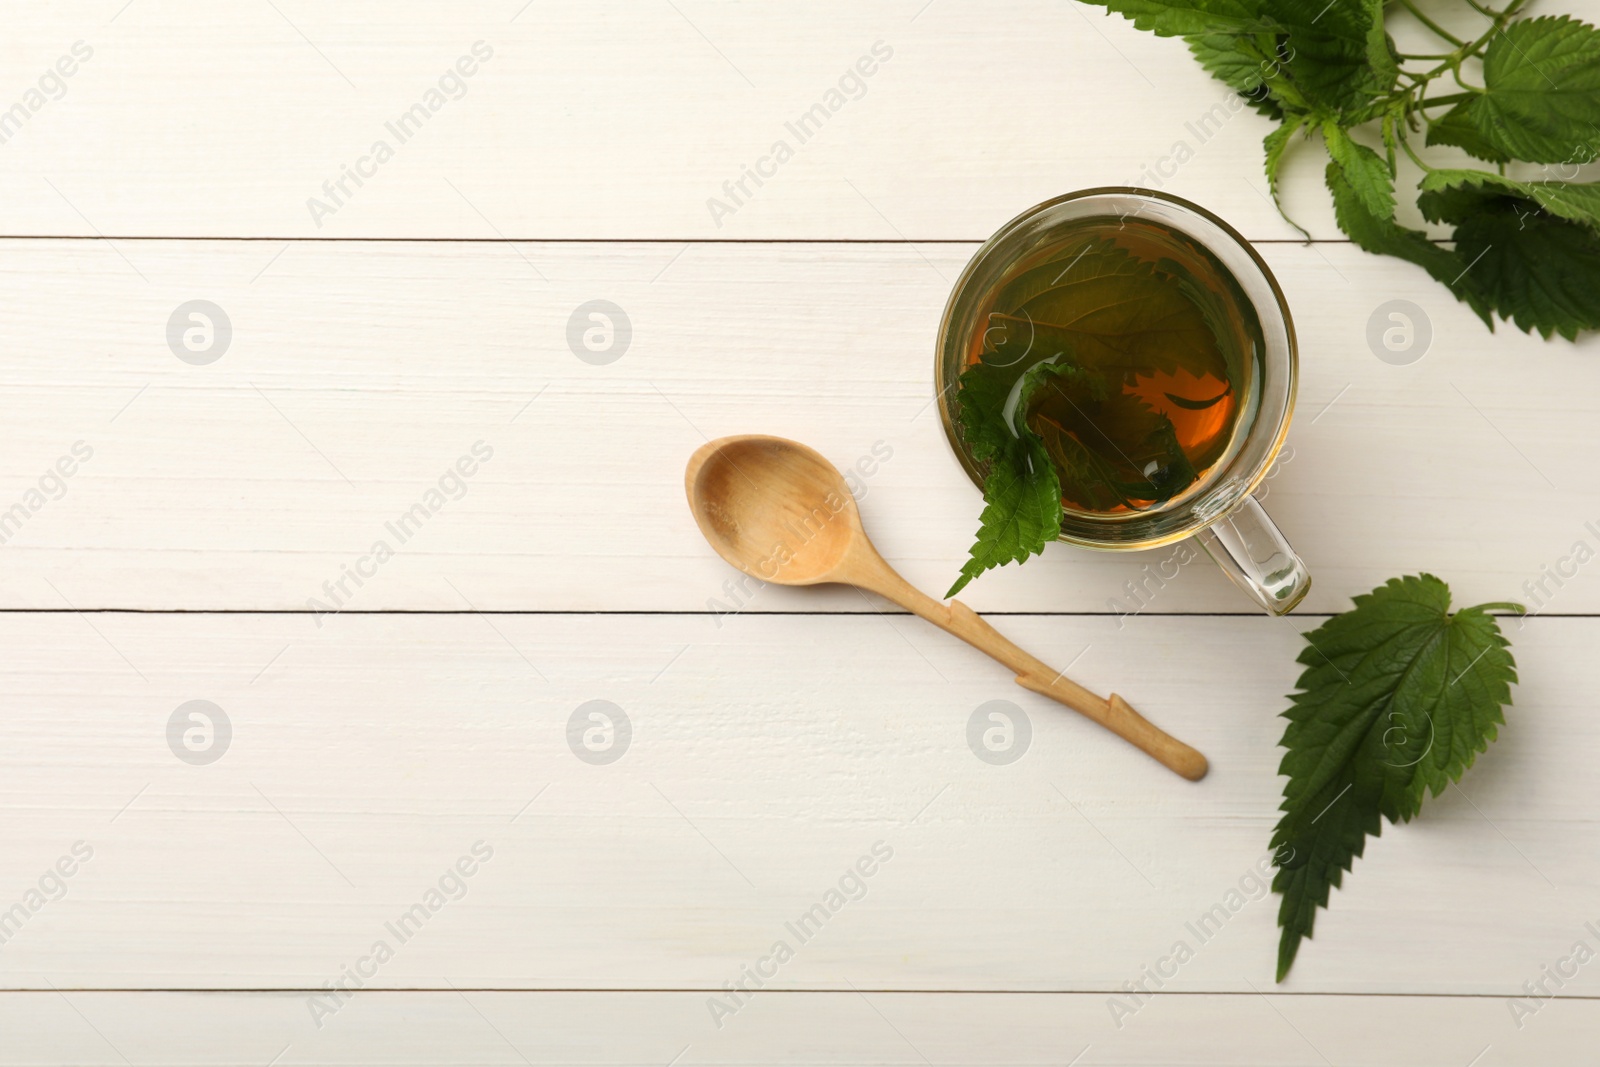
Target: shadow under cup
<point>1220,511</point>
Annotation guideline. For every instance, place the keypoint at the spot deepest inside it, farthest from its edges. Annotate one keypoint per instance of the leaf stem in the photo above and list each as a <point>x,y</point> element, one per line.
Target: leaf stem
<point>1452,98</point>
<point>1286,218</point>
<point>1413,154</point>
<point>1432,25</point>
<point>1498,21</point>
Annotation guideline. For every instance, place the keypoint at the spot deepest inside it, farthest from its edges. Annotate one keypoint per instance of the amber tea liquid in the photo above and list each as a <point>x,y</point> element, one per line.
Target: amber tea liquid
<point>1156,355</point>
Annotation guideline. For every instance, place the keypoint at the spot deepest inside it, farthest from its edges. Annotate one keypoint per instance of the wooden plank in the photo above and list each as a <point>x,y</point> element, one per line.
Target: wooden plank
<point>367,758</point>
<point>843,1028</point>
<point>619,120</point>
<point>358,376</point>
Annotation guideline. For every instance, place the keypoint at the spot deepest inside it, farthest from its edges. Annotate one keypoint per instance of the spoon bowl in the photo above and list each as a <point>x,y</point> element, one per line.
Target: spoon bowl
<point>773,508</point>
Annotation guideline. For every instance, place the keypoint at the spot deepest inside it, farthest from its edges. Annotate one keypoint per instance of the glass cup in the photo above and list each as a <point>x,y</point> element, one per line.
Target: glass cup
<point>1221,513</point>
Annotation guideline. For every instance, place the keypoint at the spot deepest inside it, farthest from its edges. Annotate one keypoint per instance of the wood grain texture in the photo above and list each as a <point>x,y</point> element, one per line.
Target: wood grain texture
<point>358,375</point>
<point>367,757</point>
<point>833,1029</point>
<point>613,120</point>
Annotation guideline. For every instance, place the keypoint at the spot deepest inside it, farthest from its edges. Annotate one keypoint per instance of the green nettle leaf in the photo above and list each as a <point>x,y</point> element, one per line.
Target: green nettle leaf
<point>1456,127</point>
<point>1541,99</point>
<point>1238,63</point>
<point>1021,490</point>
<point>1398,697</point>
<point>1363,169</point>
<point>1022,510</point>
<point>1537,270</point>
<point>1077,267</point>
<point>1321,54</point>
<point>980,405</point>
<point>1533,247</point>
<point>1086,391</point>
<point>1128,451</point>
<point>1382,57</point>
<point>1332,47</point>
<point>1179,18</point>
<point>1464,191</point>
<point>1077,383</point>
<point>1387,237</point>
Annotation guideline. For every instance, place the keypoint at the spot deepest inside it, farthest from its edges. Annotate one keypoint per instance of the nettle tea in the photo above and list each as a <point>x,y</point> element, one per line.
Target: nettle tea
<point>1125,355</point>
<point>1116,368</point>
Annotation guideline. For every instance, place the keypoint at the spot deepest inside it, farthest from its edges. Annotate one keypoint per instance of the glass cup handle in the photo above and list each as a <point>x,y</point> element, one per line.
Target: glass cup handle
<point>1251,551</point>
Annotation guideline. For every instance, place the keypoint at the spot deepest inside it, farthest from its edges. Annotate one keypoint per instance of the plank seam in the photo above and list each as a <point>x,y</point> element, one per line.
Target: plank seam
<point>806,991</point>
<point>597,240</point>
<point>718,614</point>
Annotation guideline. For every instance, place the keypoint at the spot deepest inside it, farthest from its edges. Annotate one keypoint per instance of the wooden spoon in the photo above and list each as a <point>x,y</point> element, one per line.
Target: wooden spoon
<point>781,512</point>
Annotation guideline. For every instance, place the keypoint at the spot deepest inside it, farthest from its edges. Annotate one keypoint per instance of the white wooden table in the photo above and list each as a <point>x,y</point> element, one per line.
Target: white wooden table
<point>377,340</point>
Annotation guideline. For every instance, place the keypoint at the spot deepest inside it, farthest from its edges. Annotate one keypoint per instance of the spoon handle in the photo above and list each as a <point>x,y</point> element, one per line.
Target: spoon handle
<point>1114,714</point>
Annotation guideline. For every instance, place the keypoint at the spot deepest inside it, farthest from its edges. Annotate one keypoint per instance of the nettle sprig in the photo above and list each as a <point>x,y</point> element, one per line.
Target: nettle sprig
<point>1525,90</point>
<point>1398,698</point>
